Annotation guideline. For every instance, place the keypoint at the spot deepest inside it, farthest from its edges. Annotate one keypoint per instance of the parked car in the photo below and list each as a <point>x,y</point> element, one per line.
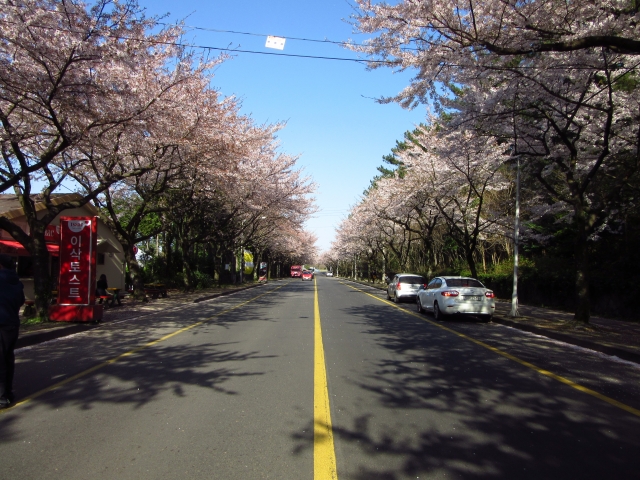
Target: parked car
<point>307,275</point>
<point>404,286</point>
<point>456,295</point>
<point>329,274</point>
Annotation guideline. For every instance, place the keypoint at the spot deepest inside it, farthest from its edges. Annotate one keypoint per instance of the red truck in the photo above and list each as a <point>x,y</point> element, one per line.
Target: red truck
<point>296,271</point>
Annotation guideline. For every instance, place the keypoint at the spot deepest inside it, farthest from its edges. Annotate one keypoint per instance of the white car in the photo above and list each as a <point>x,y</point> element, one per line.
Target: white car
<point>456,295</point>
<point>404,286</point>
<point>329,274</point>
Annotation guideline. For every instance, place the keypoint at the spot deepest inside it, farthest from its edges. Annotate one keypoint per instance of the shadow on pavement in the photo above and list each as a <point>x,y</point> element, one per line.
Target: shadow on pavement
<point>432,405</point>
<point>140,377</point>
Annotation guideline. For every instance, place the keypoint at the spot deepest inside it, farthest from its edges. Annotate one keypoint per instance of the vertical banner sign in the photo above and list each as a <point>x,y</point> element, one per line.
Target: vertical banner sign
<point>78,243</point>
<point>248,262</point>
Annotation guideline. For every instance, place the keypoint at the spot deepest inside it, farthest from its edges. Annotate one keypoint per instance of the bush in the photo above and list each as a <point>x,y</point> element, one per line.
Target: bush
<point>203,280</point>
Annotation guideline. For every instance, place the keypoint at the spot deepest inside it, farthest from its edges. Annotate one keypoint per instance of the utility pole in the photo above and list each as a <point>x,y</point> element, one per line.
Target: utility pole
<point>384,265</point>
<point>355,267</point>
<point>516,238</point>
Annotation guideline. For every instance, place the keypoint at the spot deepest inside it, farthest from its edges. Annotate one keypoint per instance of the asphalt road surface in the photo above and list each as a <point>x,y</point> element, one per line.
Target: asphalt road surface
<point>317,380</point>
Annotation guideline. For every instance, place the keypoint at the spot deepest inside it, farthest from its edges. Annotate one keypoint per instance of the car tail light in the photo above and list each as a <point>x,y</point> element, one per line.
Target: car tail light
<point>399,286</point>
<point>424,286</point>
<point>450,293</point>
<point>489,294</point>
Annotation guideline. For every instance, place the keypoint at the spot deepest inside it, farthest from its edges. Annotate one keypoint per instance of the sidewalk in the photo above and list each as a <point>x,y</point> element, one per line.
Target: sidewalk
<point>614,337</point>
<point>619,338</point>
<point>34,334</point>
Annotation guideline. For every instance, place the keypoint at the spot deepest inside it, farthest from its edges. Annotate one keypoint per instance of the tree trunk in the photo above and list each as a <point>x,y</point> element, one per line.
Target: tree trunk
<point>187,273</point>
<point>168,252</point>
<point>42,282</point>
<point>471,262</point>
<point>583,309</point>
<point>135,272</point>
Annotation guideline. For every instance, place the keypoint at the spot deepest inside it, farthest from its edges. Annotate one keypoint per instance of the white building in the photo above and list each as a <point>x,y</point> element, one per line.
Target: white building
<point>110,256</point>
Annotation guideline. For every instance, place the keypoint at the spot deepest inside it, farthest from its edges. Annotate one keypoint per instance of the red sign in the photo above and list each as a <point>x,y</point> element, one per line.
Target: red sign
<point>78,242</point>
<point>52,234</point>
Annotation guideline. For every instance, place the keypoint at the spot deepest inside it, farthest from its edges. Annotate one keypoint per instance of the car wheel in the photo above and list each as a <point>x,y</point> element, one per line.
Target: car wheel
<point>436,312</point>
<point>419,306</point>
<point>395,298</point>
<point>486,318</point>
<point>388,296</point>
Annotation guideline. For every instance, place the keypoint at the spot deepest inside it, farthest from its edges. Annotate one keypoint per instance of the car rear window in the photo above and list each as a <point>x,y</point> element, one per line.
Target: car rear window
<point>412,280</point>
<point>463,282</point>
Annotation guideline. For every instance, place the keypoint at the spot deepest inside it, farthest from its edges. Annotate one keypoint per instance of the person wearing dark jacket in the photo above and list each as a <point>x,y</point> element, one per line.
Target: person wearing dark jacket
<point>101,287</point>
<point>11,299</point>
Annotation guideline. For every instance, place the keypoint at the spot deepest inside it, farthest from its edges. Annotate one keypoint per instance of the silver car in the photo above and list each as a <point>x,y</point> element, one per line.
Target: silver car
<point>404,286</point>
<point>456,295</point>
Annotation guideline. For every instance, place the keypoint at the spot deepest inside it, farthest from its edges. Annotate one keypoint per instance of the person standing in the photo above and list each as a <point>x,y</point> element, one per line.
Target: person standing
<point>11,299</point>
<point>101,287</point>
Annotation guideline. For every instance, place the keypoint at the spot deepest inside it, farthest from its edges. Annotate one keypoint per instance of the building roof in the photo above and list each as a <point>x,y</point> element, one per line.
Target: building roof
<point>10,205</point>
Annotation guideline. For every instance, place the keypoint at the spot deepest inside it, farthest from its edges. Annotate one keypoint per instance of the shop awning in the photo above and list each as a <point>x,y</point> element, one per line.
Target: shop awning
<point>15,248</point>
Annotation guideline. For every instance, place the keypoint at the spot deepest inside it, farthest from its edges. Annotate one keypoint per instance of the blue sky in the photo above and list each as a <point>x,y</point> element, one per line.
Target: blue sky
<point>333,123</point>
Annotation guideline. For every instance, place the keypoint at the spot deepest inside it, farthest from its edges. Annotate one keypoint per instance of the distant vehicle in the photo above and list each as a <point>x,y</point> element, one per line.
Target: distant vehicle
<point>307,275</point>
<point>405,286</point>
<point>296,271</point>
<point>456,295</point>
<point>329,274</point>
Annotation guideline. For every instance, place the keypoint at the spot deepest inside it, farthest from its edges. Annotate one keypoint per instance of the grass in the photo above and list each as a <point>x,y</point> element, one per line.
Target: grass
<point>32,321</point>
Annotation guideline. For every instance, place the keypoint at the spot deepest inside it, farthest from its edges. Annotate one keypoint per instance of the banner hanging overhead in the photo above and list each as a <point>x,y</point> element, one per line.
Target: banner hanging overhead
<point>275,42</point>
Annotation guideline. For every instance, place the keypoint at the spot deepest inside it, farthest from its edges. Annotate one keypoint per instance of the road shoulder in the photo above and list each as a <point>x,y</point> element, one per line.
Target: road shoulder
<point>613,337</point>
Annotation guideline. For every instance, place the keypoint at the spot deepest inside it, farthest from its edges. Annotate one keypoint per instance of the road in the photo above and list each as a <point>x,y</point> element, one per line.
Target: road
<point>317,380</point>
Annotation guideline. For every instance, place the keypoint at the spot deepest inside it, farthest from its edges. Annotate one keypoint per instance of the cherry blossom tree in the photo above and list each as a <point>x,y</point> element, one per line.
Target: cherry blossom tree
<point>243,197</point>
<point>504,27</point>
<point>191,131</point>
<point>458,171</point>
<point>70,75</point>
<point>557,81</point>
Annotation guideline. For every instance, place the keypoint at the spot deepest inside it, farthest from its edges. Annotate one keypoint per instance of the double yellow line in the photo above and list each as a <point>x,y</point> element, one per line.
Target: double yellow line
<point>541,371</point>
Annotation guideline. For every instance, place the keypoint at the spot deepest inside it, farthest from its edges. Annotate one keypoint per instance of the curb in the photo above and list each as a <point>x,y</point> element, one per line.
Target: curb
<point>63,331</point>
<point>598,347</point>
<point>52,334</point>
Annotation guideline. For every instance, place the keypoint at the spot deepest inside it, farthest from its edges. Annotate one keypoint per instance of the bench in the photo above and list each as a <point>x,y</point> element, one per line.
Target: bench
<point>155,290</point>
<point>109,300</point>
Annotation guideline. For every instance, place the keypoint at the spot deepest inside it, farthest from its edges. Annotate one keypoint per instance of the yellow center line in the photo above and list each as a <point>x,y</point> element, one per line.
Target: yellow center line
<point>541,371</point>
<point>324,456</point>
<point>131,352</point>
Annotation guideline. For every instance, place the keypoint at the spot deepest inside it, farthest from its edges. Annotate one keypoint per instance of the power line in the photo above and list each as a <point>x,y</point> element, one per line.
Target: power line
<point>180,44</point>
<point>235,32</point>
<point>316,57</point>
<point>301,39</point>
<point>207,47</point>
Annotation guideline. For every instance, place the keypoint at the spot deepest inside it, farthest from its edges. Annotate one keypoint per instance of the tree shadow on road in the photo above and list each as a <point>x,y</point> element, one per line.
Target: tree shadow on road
<point>432,405</point>
<point>131,367</point>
